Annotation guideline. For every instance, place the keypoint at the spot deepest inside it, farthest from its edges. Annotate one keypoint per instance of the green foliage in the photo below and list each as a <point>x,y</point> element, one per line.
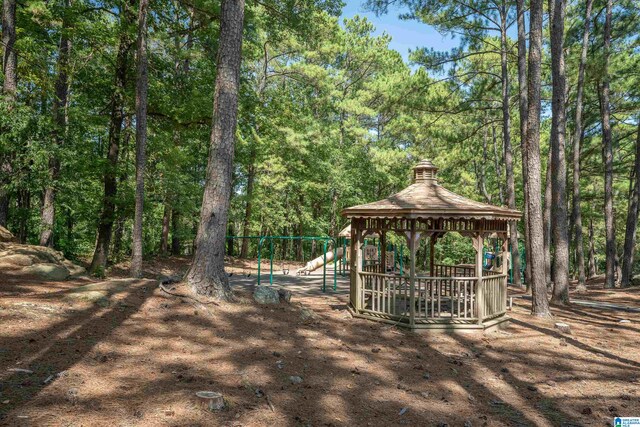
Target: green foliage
<point>329,117</point>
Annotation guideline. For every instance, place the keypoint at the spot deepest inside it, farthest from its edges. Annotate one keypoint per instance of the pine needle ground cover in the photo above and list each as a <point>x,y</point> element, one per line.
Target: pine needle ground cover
<point>137,356</point>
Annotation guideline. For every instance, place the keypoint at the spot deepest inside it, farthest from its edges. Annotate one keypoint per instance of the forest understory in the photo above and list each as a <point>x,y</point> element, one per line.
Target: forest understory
<point>137,356</point>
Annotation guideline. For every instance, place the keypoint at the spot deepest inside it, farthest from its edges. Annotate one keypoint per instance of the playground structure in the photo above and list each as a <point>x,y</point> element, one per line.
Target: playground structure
<point>371,252</point>
<point>450,296</point>
<point>321,261</point>
<point>335,255</point>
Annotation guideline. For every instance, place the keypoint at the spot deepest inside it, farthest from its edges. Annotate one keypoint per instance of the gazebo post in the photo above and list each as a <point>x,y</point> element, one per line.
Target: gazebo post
<point>356,265</point>
<point>383,251</point>
<point>505,270</point>
<point>477,245</point>
<point>413,238</point>
<point>505,254</point>
<point>432,244</point>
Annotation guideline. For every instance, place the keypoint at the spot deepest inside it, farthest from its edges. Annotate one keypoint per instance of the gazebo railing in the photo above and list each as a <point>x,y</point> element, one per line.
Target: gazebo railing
<point>444,270</point>
<point>495,295</point>
<point>436,298</point>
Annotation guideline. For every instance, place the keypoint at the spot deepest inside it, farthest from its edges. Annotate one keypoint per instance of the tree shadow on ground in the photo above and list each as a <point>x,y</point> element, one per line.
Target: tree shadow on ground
<point>141,364</point>
<point>52,350</point>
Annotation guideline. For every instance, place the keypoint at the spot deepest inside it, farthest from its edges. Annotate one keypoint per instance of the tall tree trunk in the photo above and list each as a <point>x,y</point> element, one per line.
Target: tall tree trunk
<point>508,152</point>
<point>9,87</point>
<point>480,169</point>
<point>121,211</point>
<point>230,241</point>
<point>593,270</point>
<point>69,224</point>
<point>560,273</point>
<point>59,132</point>
<point>24,207</point>
<point>632,220</point>
<point>206,275</point>
<point>547,220</point>
<point>141,137</point>
<point>115,254</point>
<point>607,154</point>
<point>540,303</point>
<point>9,57</point>
<point>181,71</point>
<point>522,108</point>
<point>497,161</point>
<point>164,235</point>
<point>175,232</point>
<point>105,226</point>
<point>577,143</point>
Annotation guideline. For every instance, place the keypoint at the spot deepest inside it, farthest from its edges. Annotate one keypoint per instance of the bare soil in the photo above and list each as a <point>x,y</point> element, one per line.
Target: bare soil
<point>139,359</point>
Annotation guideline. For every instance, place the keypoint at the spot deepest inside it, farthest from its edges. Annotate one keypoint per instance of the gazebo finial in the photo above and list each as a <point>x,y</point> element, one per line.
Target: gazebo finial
<point>424,171</point>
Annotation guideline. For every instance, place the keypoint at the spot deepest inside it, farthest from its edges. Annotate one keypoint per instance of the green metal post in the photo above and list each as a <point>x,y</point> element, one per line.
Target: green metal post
<point>335,270</point>
<point>395,257</point>
<point>324,269</point>
<point>271,260</point>
<point>401,260</point>
<point>259,257</point>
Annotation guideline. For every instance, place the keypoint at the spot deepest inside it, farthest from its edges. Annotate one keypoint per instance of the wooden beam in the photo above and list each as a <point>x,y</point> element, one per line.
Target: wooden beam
<point>432,263</point>
<point>356,267</point>
<point>478,245</point>
<point>412,275</point>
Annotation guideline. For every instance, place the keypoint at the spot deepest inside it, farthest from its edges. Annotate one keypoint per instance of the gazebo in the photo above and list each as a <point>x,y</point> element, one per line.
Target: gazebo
<point>450,296</point>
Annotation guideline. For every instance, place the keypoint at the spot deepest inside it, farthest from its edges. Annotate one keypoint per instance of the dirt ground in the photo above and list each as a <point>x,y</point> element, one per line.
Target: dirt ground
<point>138,356</point>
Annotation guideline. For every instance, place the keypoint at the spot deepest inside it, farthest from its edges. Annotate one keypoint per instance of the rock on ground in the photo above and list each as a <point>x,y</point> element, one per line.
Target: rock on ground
<point>47,271</point>
<point>33,260</point>
<point>6,236</point>
<point>266,295</point>
<point>100,293</point>
<point>284,295</point>
<point>563,327</point>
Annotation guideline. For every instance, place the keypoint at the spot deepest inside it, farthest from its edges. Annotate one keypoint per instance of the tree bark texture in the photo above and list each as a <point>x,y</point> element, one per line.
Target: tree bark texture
<point>9,57</point>
<point>206,275</point>
<point>560,272</point>
<point>164,234</point>
<point>59,133</point>
<point>547,220</point>
<point>593,271</point>
<point>9,87</point>
<point>175,232</point>
<point>577,144</point>
<point>522,108</point>
<point>141,137</point>
<point>607,154</point>
<point>540,303</point>
<point>107,216</point>
<point>632,220</point>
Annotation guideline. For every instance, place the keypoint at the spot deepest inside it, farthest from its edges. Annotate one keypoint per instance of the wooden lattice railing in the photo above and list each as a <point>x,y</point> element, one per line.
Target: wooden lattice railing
<point>436,298</point>
<point>495,295</point>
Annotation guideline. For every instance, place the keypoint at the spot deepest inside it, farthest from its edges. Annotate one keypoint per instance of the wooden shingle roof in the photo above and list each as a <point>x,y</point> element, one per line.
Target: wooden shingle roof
<point>425,198</point>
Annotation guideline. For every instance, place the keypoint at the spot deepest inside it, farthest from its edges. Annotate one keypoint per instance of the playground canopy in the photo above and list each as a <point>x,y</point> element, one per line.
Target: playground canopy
<point>451,296</point>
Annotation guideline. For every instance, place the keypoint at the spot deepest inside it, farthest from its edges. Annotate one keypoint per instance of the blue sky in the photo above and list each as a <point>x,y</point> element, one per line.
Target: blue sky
<point>405,35</point>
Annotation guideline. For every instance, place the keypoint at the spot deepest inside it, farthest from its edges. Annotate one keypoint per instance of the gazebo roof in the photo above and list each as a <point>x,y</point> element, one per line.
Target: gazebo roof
<point>425,198</point>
